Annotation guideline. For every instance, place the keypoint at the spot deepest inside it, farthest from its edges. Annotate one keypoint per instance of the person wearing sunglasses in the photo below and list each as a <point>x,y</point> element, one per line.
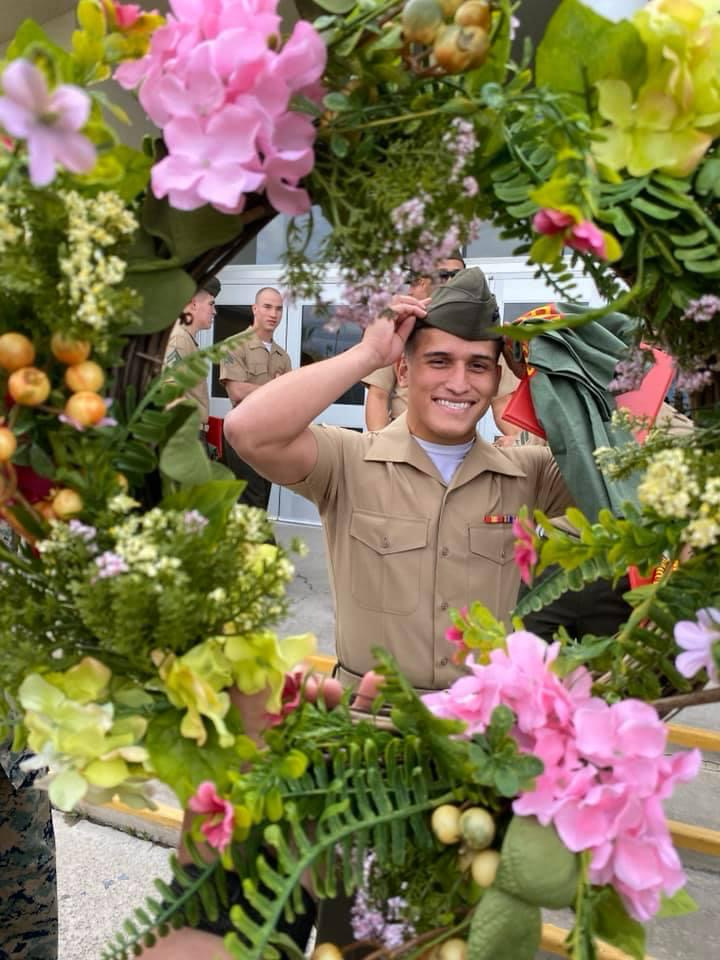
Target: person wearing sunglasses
<point>386,399</point>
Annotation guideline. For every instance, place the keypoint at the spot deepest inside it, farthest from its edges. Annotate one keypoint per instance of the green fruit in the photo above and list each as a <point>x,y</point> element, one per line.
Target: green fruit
<point>421,21</point>
<point>484,867</point>
<point>461,48</point>
<point>473,13</point>
<point>477,828</point>
<point>445,823</point>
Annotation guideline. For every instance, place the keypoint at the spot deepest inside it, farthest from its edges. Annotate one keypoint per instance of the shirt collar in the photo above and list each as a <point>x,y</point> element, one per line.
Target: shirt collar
<point>255,343</point>
<point>395,444</point>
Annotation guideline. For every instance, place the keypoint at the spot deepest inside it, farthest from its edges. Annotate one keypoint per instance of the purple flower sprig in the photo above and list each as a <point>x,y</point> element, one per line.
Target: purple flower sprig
<point>703,309</point>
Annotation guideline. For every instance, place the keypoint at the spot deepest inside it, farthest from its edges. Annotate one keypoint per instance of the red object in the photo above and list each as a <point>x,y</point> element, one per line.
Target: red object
<point>215,434</point>
<point>519,409</point>
<point>648,398</point>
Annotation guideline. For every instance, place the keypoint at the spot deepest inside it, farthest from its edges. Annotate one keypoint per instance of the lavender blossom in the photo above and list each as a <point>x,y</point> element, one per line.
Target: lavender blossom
<point>629,373</point>
<point>691,379</point>
<point>194,521</point>
<point>82,530</point>
<point>703,309</point>
<point>110,564</point>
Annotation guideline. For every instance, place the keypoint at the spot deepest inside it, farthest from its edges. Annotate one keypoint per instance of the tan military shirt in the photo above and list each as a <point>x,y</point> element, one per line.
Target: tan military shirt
<point>252,362</point>
<point>385,379</point>
<point>403,547</point>
<point>183,344</point>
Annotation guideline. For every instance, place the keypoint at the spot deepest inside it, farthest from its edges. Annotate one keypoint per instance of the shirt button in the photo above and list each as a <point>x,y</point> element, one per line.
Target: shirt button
<point>444,605</point>
<point>444,552</point>
<point>443,662</point>
<point>502,554</point>
<point>385,542</point>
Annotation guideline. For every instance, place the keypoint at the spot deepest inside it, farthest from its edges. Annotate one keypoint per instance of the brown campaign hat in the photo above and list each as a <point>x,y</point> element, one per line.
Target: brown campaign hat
<point>465,307</point>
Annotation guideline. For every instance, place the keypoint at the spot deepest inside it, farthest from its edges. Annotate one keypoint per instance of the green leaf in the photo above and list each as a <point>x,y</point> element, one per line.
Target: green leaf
<point>164,291</point>
<point>41,462</point>
<point>180,762</point>
<point>708,178</point>
<point>183,457</point>
<point>189,233</point>
<point>336,6</point>
<point>613,924</point>
<point>653,209</point>
<point>580,47</point>
<point>337,102</point>
<point>703,266</point>
<point>339,145</point>
<point>677,905</point>
<point>30,33</point>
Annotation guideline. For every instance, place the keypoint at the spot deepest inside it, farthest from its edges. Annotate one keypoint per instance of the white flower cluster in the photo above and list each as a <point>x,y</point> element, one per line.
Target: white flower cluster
<point>671,488</point>
<point>94,224</point>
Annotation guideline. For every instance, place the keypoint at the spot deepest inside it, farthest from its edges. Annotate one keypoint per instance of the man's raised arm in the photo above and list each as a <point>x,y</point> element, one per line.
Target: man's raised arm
<point>269,429</point>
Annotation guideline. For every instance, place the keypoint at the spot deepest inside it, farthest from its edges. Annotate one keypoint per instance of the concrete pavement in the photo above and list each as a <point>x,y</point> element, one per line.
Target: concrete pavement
<point>104,872</point>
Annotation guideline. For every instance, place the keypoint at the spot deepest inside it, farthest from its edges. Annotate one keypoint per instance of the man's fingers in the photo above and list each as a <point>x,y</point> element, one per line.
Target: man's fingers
<point>367,690</point>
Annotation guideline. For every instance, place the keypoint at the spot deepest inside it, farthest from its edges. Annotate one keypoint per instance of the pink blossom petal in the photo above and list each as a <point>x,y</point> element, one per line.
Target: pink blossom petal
<point>26,85</point>
<point>76,153</point>
<point>15,118</point>
<point>552,221</point>
<point>302,59</point>
<point>73,106</point>
<point>41,159</point>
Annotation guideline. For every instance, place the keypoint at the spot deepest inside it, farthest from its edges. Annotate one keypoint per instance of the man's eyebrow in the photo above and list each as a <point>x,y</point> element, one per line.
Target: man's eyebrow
<point>444,355</point>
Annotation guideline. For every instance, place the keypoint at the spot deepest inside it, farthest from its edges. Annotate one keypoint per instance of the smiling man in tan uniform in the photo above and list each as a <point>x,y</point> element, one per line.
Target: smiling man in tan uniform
<point>417,518</point>
<point>255,361</point>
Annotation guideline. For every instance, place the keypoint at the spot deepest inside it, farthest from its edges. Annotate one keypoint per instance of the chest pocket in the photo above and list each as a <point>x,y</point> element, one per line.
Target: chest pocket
<point>386,555</point>
<point>257,369</point>
<point>494,542</point>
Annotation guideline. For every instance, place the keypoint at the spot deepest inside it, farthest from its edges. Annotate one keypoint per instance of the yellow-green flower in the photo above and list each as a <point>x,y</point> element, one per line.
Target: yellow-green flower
<point>197,682</point>
<point>260,660</point>
<point>675,116</point>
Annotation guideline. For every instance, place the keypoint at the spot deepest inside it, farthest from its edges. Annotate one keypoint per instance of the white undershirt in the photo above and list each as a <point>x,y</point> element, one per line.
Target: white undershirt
<point>447,457</point>
<point>267,345</point>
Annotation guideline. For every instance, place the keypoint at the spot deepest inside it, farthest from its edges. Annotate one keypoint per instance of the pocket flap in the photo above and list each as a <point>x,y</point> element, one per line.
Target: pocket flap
<point>386,534</point>
<point>493,541</point>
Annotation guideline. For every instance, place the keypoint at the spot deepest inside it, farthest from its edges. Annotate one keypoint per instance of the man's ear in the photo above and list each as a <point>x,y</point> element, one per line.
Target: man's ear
<point>401,370</point>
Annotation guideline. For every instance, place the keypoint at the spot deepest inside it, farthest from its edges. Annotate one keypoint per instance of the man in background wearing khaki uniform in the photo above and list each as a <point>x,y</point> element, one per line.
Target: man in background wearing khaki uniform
<point>418,517</point>
<point>255,361</point>
<point>197,315</point>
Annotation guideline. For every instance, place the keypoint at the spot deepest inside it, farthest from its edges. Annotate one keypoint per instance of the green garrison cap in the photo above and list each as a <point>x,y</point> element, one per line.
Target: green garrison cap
<point>212,286</point>
<point>465,307</point>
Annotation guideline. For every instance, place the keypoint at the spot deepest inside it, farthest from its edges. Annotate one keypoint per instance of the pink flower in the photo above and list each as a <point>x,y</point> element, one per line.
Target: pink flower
<point>698,640</point>
<point>220,90</point>
<point>552,221</point>
<point>605,773</point>
<point>525,553</point>
<point>123,15</point>
<point>210,165</point>
<point>218,829</point>
<point>290,697</point>
<point>587,238</point>
<point>48,121</point>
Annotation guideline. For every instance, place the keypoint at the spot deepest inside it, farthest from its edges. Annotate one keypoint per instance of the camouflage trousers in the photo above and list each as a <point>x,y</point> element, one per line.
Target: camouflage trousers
<point>28,896</point>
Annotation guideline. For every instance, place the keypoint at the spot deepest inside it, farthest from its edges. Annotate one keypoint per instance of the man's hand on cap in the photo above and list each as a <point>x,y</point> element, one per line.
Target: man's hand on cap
<point>387,334</point>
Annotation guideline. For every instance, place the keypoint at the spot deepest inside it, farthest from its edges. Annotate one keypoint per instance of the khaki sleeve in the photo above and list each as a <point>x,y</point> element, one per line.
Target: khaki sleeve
<point>508,381</point>
<point>383,378</point>
<point>180,345</point>
<point>235,366</point>
<point>321,484</point>
<point>553,496</point>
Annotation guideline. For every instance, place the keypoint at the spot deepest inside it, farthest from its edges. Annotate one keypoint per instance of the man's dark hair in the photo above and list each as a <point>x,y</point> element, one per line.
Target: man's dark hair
<point>456,255</point>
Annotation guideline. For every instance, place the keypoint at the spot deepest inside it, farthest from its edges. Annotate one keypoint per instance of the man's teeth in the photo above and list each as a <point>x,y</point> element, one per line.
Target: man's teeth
<point>452,405</point>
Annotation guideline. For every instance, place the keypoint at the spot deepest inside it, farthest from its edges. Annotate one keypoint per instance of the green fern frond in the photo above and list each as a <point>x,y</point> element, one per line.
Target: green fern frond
<point>199,896</point>
<point>552,586</point>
